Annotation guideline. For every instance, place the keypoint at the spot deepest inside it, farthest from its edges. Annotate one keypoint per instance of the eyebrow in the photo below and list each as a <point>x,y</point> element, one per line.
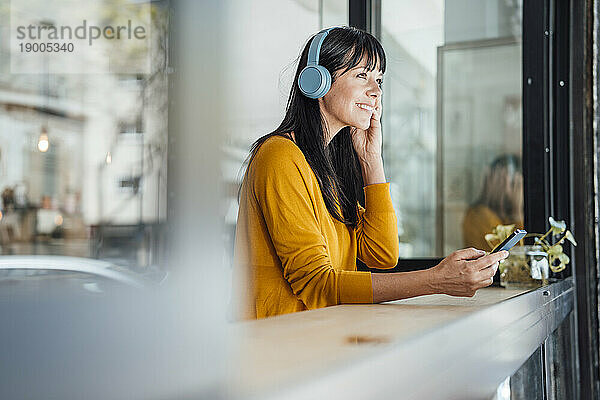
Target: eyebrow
<point>363,67</point>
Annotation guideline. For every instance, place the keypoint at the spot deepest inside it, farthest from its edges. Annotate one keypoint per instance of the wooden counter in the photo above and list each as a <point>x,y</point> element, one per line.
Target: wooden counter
<point>428,347</point>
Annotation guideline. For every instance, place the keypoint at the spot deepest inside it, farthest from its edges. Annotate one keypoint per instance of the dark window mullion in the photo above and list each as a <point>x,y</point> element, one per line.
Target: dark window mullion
<point>536,146</point>
<point>583,223</point>
<point>358,13</point>
<point>561,148</point>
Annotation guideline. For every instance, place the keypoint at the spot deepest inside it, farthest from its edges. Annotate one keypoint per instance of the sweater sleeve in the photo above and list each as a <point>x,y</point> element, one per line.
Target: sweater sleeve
<point>478,221</point>
<point>377,230</point>
<point>284,192</point>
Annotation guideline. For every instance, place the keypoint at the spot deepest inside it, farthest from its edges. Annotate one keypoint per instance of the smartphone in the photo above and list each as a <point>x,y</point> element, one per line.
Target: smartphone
<point>510,241</point>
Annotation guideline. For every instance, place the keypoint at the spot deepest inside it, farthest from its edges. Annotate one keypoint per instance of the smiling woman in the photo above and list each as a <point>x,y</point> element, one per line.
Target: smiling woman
<point>364,86</point>
<point>300,226</point>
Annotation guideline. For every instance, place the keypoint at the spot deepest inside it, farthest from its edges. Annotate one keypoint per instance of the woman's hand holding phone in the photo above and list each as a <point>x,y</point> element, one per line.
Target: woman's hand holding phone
<point>465,271</point>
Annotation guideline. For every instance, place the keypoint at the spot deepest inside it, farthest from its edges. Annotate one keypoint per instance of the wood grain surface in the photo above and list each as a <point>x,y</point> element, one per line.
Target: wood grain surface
<point>289,349</point>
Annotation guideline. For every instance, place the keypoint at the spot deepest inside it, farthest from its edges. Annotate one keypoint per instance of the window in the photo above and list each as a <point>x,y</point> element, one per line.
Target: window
<point>83,142</point>
<point>261,74</point>
<point>451,120</point>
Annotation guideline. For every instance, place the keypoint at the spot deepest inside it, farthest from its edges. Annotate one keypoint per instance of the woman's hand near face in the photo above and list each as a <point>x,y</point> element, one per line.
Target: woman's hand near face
<point>368,143</point>
<point>465,271</point>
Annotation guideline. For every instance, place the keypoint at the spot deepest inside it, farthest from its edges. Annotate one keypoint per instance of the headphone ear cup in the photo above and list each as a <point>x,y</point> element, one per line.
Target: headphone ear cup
<point>314,81</point>
<point>326,80</point>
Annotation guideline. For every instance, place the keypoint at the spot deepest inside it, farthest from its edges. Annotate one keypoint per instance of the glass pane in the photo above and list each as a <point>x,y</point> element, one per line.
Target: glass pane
<point>480,137</point>
<point>258,87</point>
<point>83,139</point>
<point>452,121</point>
<point>333,13</point>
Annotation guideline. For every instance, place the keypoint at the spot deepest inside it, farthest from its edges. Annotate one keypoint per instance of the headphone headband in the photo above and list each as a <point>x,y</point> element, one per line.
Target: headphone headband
<point>315,47</point>
<point>314,80</point>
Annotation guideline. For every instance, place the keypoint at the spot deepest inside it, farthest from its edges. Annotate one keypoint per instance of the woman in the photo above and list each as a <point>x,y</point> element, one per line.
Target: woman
<point>500,201</point>
<point>300,227</point>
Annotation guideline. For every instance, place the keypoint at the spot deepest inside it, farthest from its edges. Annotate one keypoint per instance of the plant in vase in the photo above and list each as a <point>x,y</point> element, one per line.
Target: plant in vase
<point>527,265</point>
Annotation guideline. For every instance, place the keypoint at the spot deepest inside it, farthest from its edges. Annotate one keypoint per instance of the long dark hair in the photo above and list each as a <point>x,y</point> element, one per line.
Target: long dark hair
<point>335,165</point>
<point>502,189</point>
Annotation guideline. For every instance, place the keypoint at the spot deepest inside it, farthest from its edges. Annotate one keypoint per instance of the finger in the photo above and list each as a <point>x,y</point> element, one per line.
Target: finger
<point>486,273</point>
<point>468,254</point>
<point>486,261</point>
<point>376,113</point>
<point>490,259</point>
<point>487,282</point>
<point>378,106</point>
<point>492,268</point>
<point>483,282</point>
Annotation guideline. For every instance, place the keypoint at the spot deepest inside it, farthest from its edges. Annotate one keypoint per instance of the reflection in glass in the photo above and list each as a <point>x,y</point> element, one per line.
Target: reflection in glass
<point>480,131</point>
<point>500,202</point>
<point>452,105</point>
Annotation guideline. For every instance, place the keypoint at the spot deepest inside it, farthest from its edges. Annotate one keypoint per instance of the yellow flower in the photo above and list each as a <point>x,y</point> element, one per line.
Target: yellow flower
<point>557,227</point>
<point>503,231</point>
<point>569,236</point>
<point>563,260</point>
<point>555,250</point>
<point>499,233</point>
<point>490,237</point>
<point>557,259</point>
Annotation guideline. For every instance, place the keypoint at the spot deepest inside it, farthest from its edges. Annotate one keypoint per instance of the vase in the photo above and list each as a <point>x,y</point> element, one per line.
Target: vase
<point>526,267</point>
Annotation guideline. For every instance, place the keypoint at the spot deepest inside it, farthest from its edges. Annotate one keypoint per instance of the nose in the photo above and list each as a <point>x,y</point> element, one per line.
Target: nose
<point>374,91</point>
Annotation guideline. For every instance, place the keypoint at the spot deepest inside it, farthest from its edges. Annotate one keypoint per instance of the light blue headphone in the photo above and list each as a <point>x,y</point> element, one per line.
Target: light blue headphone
<point>314,80</point>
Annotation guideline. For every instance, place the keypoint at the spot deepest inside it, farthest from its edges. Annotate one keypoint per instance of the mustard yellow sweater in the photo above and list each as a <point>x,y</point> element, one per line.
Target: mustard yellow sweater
<point>290,253</point>
<point>480,220</point>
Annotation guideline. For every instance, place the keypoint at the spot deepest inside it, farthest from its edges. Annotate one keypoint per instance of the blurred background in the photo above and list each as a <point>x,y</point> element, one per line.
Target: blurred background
<point>93,143</point>
<point>83,155</point>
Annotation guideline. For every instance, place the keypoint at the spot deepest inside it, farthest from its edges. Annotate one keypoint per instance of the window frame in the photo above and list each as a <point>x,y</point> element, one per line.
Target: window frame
<point>366,15</point>
<point>559,149</point>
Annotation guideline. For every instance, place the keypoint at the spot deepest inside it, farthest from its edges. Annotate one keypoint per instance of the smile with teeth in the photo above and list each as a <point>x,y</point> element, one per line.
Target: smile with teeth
<point>365,107</point>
